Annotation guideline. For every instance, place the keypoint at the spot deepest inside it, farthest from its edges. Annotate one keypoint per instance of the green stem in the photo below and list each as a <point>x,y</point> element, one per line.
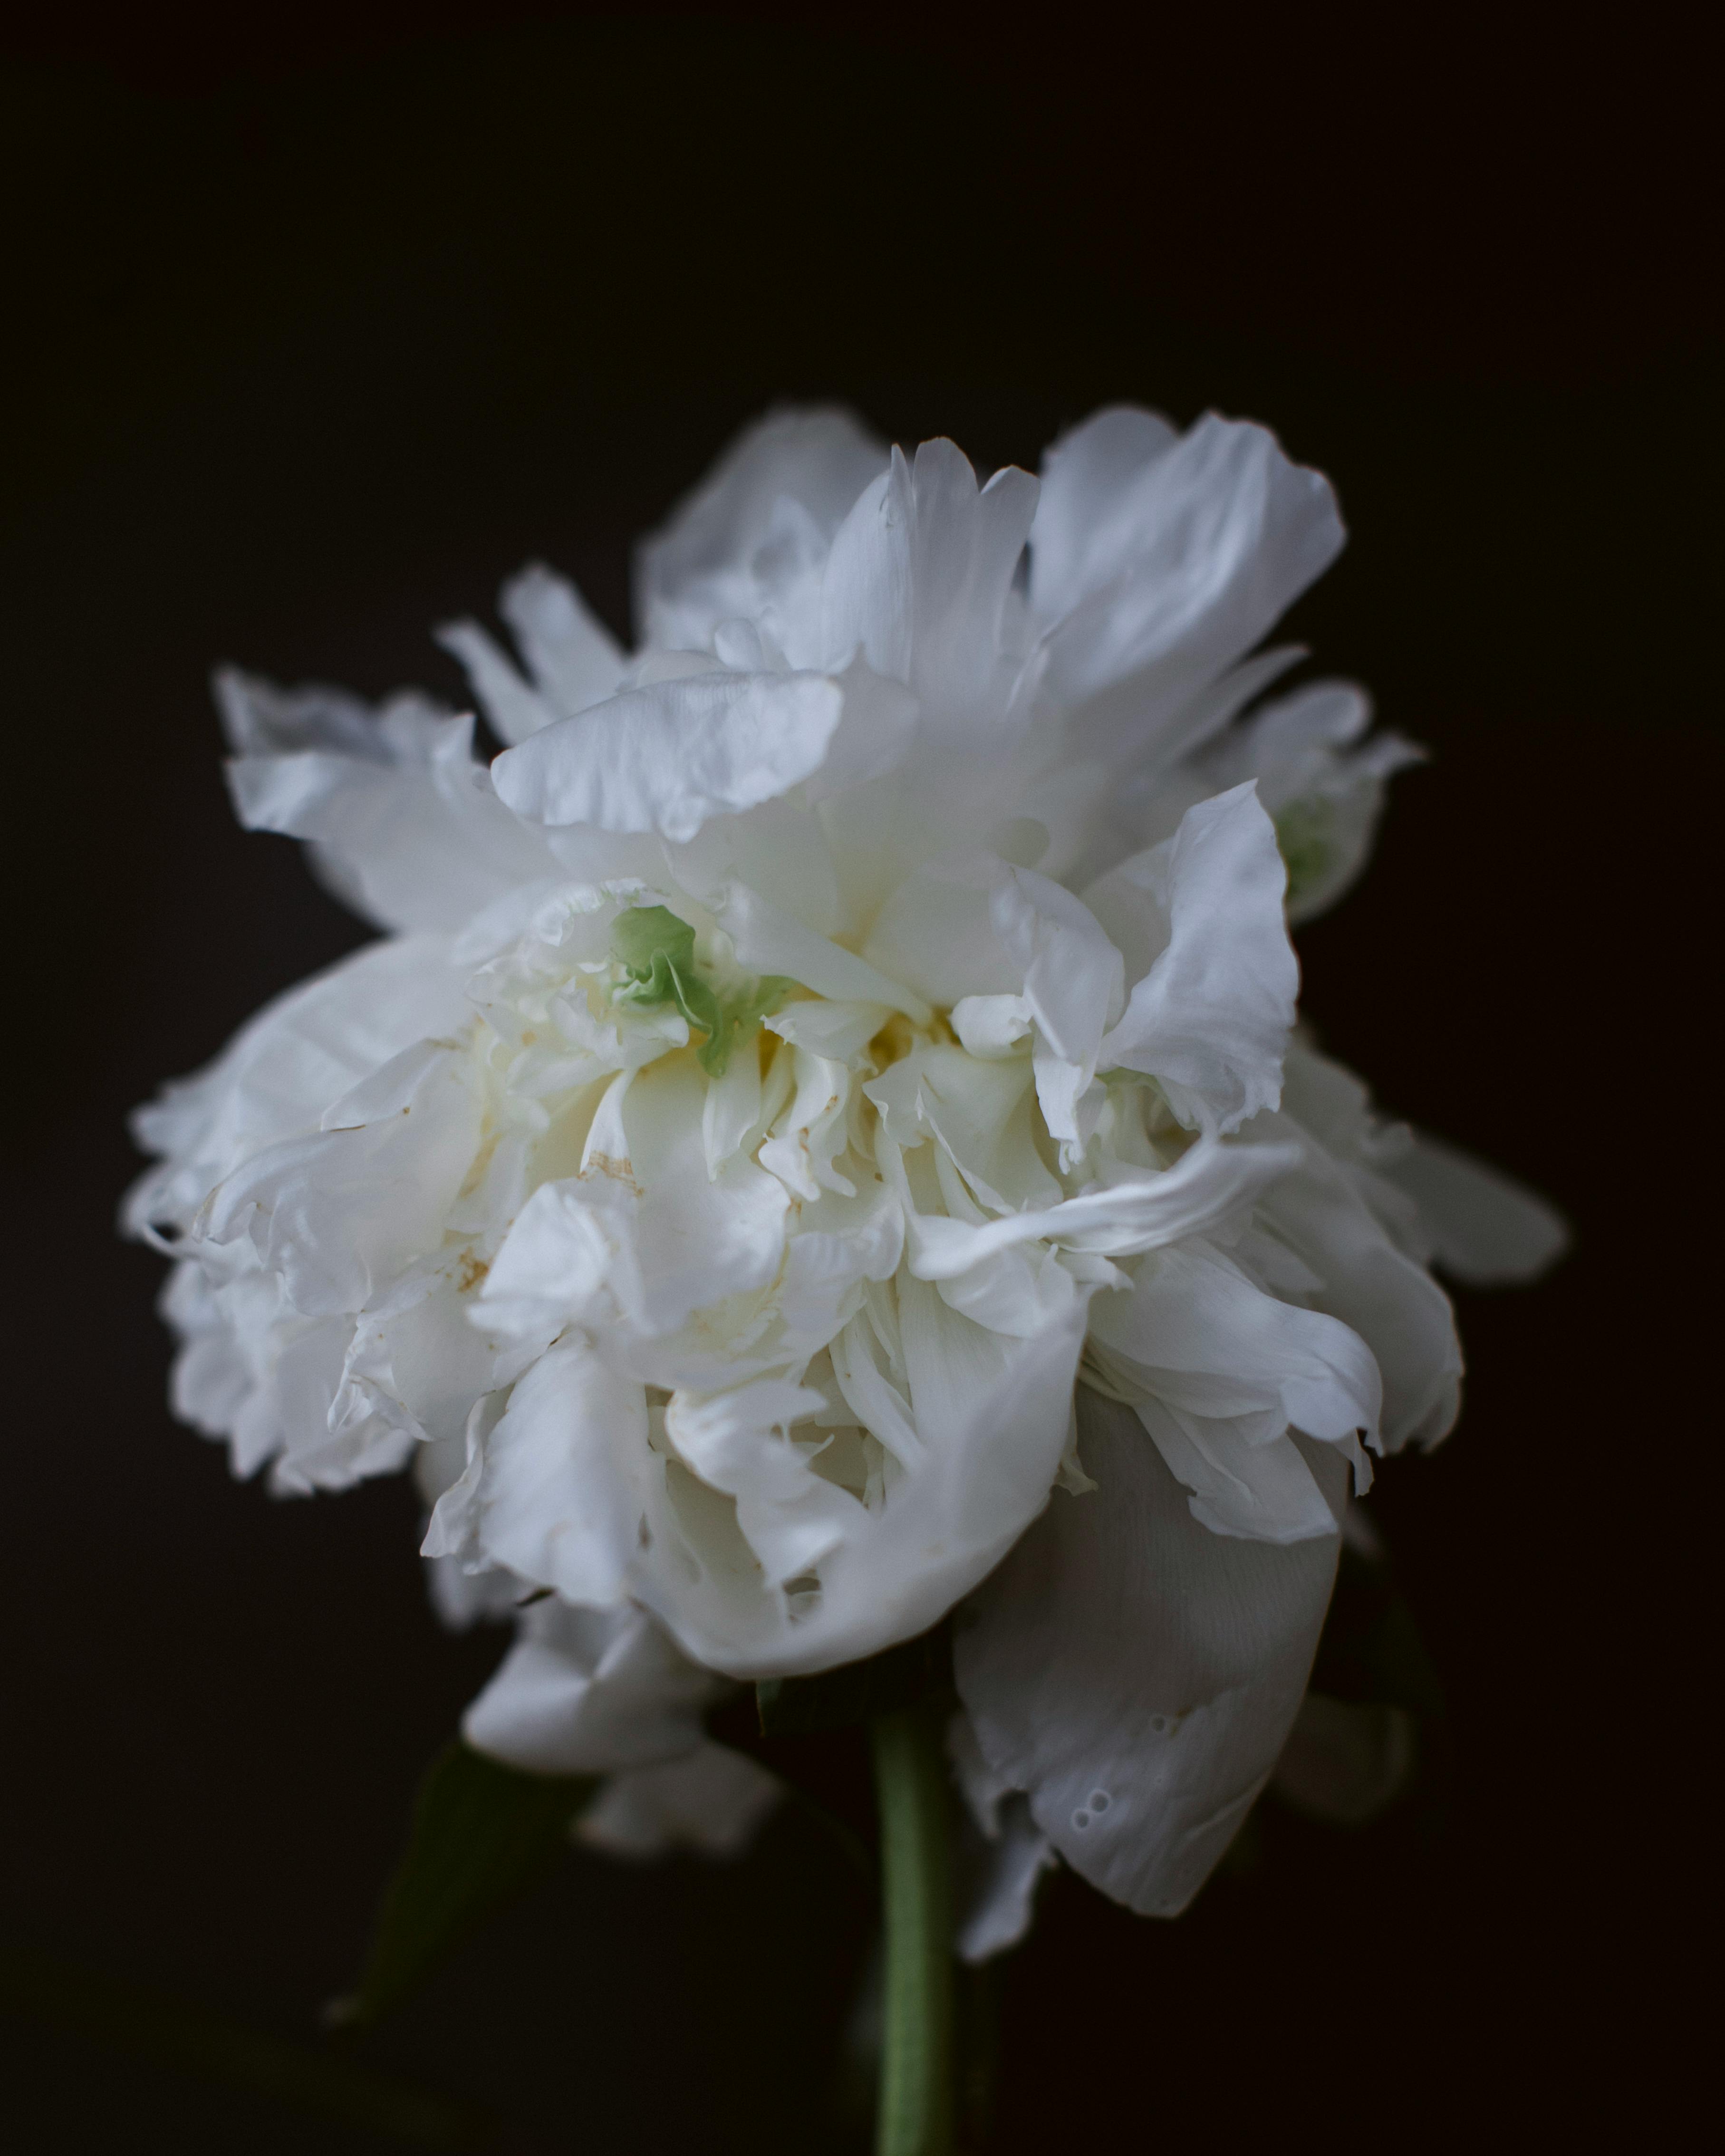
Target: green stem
<point>915,2112</point>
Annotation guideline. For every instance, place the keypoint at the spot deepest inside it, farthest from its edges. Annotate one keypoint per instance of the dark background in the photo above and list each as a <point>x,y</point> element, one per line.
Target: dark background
<point>315,331</point>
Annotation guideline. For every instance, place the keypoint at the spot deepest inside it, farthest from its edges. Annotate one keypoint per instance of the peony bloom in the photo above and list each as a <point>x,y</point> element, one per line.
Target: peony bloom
<point>822,1141</point>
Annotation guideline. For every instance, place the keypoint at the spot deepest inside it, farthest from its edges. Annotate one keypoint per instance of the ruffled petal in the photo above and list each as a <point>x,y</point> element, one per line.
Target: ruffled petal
<point>559,1498</point>
<point>1211,1017</point>
<point>340,1213</point>
<point>1137,1674</point>
<point>285,1066</point>
<point>1323,785</point>
<point>1195,1331</point>
<point>1210,1182</point>
<point>1392,1302</point>
<point>978,1421</point>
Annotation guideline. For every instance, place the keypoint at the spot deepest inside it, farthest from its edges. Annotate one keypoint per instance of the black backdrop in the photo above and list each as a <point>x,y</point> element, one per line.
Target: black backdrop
<point>316,330</point>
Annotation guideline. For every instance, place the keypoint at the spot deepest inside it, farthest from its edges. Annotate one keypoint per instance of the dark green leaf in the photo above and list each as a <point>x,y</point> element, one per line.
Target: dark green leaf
<point>920,1669</point>
<point>482,1834</point>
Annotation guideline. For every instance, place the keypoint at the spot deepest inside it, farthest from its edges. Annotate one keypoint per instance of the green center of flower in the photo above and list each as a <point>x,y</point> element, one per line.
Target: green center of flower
<point>656,951</point>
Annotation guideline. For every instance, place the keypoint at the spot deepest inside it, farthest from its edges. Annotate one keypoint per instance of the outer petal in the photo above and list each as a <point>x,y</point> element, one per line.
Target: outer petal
<point>404,825</point>
<point>285,1067</point>
<point>867,605</point>
<point>727,548</point>
<point>1323,785</point>
<point>575,658</point>
<point>1394,1304</point>
<point>1201,1336</point>
<point>1089,479</point>
<point>1212,1016</point>
<point>668,758</point>
<point>1137,1674</point>
<point>1240,1484</point>
<point>712,1801</point>
<point>1488,1229</point>
<point>587,1692</point>
<point>1218,535</point>
<point>965,551</point>
<point>340,1213</point>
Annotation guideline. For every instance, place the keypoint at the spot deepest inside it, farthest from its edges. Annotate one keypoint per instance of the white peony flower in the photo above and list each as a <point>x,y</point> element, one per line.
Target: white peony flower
<point>822,1142</point>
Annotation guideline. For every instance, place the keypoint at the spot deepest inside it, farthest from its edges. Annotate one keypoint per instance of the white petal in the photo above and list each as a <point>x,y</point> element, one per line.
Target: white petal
<point>992,1027</point>
<point>1137,1674</point>
<point>732,1109</point>
<point>667,758</point>
<point>285,1067</point>
<point>1488,1229</point>
<point>404,823</point>
<point>875,733</point>
<point>1208,1184</point>
<point>769,941</point>
<point>998,1882</point>
<point>560,1500</point>
<point>716,560</point>
<point>1074,982</point>
<point>981,1111</point>
<point>517,709</point>
<point>1216,535</point>
<point>1201,1337</point>
<point>1211,1017</point>
<point>589,1691</point>
<point>341,1213</point>
<point>712,1801</point>
<point>839,1030</point>
<point>779,849</point>
<point>1324,793</point>
<point>576,660</point>
<point>561,1251</point>
<point>966,545</point>
<point>1394,1304</point>
<point>866,605</point>
<point>936,935</point>
<point>990,1414</point>
<point>739,1442</point>
<point>1261,1492</point>
<point>1085,516</point>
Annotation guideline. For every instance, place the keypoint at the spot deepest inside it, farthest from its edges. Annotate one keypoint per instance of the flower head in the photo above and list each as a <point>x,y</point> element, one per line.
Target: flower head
<point>823,1139</point>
